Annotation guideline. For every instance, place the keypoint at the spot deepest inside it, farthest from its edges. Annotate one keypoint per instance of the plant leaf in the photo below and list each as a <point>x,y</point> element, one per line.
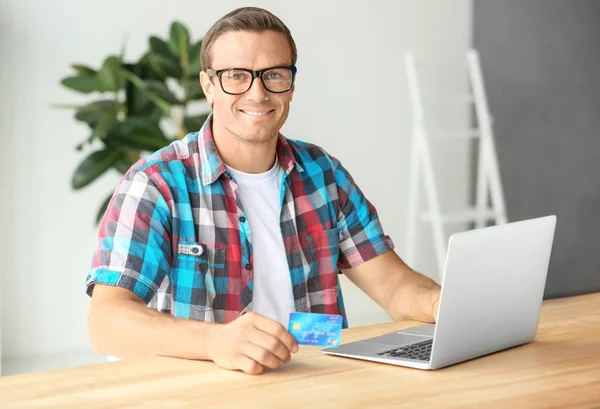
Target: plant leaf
<point>91,118</point>
<point>159,47</point>
<point>163,66</point>
<point>151,113</point>
<point>195,63</point>
<point>65,106</point>
<point>107,106</point>
<point>83,70</point>
<point>194,51</point>
<point>109,75</point>
<point>102,209</point>
<point>180,37</point>
<point>193,89</point>
<point>144,70</point>
<point>83,84</point>
<point>164,106</point>
<point>194,123</point>
<point>148,71</point>
<point>93,166</point>
<point>161,90</point>
<point>94,112</point>
<point>103,125</point>
<point>141,85</point>
<point>184,56</point>
<point>137,133</point>
<point>123,164</point>
<point>135,100</point>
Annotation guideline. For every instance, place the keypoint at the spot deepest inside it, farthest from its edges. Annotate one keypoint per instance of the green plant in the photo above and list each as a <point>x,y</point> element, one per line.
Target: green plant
<point>136,101</point>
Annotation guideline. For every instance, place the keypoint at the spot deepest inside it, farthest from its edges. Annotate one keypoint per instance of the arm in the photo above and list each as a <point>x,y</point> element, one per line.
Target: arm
<point>402,292</point>
<point>131,260</point>
<point>120,324</point>
<point>367,258</point>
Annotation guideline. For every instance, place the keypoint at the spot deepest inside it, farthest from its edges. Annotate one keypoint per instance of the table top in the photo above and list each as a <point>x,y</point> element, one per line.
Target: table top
<point>560,368</point>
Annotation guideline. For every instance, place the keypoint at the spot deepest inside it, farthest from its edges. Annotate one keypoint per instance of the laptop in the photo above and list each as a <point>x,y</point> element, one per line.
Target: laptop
<point>492,291</point>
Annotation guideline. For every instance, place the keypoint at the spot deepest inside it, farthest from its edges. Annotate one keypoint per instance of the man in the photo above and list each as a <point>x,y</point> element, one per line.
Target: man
<point>226,232</point>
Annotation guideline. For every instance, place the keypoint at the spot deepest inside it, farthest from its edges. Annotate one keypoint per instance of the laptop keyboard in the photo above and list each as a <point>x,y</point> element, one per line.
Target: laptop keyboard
<point>420,351</point>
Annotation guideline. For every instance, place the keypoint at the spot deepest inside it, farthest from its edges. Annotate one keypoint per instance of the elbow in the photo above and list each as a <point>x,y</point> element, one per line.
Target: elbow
<point>398,316</point>
<point>97,331</point>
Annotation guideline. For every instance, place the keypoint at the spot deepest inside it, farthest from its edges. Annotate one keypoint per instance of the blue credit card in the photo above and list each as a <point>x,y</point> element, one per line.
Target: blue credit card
<point>316,329</point>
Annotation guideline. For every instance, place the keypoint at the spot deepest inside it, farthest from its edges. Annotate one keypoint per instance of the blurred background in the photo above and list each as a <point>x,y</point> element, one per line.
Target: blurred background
<point>539,60</point>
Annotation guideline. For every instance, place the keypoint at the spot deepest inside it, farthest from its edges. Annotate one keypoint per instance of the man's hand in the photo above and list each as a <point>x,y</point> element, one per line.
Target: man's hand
<point>122,325</point>
<point>250,343</point>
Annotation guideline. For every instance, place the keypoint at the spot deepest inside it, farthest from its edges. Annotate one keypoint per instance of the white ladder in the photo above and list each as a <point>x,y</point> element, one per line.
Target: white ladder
<point>488,174</point>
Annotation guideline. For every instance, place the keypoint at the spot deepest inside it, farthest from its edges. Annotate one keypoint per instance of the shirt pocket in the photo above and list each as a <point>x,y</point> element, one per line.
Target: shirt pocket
<point>322,280</point>
<point>198,276</point>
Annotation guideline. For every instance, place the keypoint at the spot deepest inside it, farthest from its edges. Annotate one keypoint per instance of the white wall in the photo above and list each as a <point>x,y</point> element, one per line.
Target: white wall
<point>351,98</point>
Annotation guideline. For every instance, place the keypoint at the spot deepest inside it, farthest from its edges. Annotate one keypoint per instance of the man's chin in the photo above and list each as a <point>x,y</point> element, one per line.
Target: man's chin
<point>257,133</point>
<point>258,137</point>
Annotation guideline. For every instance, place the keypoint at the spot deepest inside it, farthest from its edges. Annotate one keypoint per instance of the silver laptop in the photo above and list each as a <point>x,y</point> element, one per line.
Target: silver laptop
<point>492,291</point>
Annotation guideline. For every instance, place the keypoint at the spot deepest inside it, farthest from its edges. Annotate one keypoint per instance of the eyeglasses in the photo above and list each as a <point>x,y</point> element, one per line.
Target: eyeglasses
<point>236,81</point>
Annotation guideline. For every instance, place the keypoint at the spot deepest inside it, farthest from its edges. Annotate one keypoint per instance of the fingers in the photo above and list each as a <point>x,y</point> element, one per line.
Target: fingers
<point>261,343</point>
<point>276,330</point>
<point>260,355</point>
<point>271,344</point>
<point>249,365</point>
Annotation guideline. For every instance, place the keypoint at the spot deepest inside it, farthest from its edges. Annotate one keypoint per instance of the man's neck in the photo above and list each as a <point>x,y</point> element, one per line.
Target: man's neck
<point>245,156</point>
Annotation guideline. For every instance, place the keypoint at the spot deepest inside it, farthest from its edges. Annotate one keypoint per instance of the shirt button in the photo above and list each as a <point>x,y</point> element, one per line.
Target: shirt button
<point>242,219</point>
<point>248,266</point>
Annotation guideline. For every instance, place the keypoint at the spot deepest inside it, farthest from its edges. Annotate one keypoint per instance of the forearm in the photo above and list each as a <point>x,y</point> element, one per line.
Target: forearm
<point>126,328</point>
<point>412,296</point>
<point>402,292</point>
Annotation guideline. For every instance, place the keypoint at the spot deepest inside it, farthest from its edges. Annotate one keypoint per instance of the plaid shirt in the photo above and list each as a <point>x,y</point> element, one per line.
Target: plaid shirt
<point>175,234</point>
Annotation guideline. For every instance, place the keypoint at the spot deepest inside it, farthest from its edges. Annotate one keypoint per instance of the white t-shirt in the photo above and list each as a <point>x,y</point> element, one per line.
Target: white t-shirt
<point>260,197</point>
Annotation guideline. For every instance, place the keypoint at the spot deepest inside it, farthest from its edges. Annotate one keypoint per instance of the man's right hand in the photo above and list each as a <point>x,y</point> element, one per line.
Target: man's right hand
<point>250,343</point>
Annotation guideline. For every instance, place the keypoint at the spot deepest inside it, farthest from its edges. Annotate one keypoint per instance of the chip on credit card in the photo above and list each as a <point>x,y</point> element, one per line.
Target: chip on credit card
<point>316,329</point>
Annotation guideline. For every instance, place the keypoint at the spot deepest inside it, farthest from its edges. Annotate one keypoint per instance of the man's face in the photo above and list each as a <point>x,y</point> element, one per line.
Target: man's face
<point>257,115</point>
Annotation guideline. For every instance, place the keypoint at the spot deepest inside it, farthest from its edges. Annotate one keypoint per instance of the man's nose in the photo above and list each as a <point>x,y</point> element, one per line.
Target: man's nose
<point>257,91</point>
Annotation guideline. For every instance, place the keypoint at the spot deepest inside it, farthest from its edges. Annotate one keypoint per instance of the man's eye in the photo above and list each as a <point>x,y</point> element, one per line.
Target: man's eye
<point>273,76</point>
<point>237,76</point>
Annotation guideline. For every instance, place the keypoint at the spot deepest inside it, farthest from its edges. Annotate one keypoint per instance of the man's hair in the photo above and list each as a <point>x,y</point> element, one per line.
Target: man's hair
<point>244,19</point>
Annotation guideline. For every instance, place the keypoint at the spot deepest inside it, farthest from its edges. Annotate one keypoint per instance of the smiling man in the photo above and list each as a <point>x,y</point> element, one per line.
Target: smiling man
<point>210,243</point>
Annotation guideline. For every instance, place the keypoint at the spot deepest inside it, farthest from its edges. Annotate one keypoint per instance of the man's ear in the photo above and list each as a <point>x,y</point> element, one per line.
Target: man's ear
<point>208,87</point>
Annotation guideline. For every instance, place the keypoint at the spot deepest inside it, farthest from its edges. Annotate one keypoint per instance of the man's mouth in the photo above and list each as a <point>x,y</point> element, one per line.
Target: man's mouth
<point>257,113</point>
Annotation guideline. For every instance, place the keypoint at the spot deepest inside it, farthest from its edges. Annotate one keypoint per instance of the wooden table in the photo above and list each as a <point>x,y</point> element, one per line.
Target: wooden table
<point>560,369</point>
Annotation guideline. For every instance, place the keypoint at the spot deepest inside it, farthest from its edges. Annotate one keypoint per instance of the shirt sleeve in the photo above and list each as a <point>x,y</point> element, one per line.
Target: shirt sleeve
<point>134,240</point>
<point>361,234</point>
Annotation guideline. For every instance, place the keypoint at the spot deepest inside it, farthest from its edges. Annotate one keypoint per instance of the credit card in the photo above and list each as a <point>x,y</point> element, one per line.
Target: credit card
<point>316,329</point>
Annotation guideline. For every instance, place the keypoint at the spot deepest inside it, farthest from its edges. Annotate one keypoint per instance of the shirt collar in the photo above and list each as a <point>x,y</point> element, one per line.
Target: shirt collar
<point>212,165</point>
